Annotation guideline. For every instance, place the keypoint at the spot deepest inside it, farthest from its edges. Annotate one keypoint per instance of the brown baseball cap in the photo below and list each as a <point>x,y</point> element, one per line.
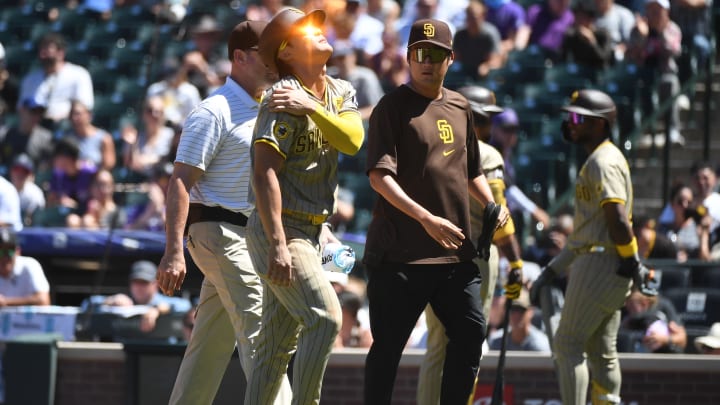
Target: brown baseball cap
<point>279,30</point>
<point>245,35</point>
<point>432,32</point>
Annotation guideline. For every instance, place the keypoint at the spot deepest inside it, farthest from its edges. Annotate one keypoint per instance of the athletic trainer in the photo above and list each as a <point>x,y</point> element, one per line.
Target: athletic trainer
<point>305,120</point>
<point>208,198</point>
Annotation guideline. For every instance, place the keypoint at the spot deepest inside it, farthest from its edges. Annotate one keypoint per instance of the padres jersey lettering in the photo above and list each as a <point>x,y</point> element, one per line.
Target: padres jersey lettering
<point>605,176</point>
<point>441,154</point>
<point>308,177</point>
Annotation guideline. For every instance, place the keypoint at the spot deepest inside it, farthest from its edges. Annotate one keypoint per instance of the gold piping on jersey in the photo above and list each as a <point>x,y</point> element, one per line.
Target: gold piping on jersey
<point>612,200</point>
<point>273,145</point>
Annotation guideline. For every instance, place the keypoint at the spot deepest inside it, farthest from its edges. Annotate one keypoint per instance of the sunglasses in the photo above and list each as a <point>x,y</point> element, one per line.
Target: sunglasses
<point>7,252</point>
<point>436,55</point>
<point>576,118</point>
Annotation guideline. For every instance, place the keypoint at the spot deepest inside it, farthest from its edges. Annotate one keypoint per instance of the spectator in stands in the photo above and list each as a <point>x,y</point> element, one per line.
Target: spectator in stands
<point>352,332</point>
<point>660,327</point>
<point>504,137</point>
<point>551,241</point>
<point>618,21</point>
<point>96,145</point>
<point>390,65</point>
<point>263,11</point>
<point>151,215</point>
<point>710,343</point>
<point>690,227</point>
<point>22,280</point>
<point>9,205</point>
<point>655,43</point>
<point>366,31</point>
<point>32,198</point>
<point>27,136</point>
<point>651,244</point>
<point>146,148</point>
<point>71,178</point>
<point>368,90</point>
<point>478,46</point>
<point>57,82</point>
<point>189,323</point>
<point>585,43</point>
<point>179,95</point>
<point>201,63</point>
<point>510,19</point>
<point>9,84</point>
<point>387,11</point>
<point>522,334</point>
<point>694,19</point>
<point>704,179</point>
<point>102,211</point>
<point>422,9</point>
<point>143,291</point>
<point>548,23</point>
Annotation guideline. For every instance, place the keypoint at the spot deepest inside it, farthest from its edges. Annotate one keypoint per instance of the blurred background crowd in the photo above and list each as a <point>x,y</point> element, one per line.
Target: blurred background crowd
<point>93,94</point>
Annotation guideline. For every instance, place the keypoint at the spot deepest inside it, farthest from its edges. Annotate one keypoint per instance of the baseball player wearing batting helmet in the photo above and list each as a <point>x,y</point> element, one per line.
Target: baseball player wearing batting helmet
<point>208,199</point>
<point>600,258</point>
<point>424,162</point>
<point>305,120</point>
<point>484,107</point>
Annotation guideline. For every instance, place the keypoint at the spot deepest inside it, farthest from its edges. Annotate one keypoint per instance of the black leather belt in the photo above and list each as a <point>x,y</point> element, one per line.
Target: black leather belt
<point>203,213</point>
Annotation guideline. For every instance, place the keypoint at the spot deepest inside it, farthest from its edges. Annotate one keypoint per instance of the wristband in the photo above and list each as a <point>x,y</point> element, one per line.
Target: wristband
<point>329,226</point>
<point>516,264</point>
<point>629,249</point>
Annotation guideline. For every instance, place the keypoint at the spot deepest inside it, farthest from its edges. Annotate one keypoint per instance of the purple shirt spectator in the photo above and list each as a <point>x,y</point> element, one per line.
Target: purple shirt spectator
<point>547,26</point>
<point>506,15</point>
<point>76,187</point>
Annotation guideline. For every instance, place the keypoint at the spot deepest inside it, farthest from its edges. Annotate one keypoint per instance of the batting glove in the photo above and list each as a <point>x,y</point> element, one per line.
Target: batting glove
<point>514,284</point>
<point>643,278</point>
<point>545,278</point>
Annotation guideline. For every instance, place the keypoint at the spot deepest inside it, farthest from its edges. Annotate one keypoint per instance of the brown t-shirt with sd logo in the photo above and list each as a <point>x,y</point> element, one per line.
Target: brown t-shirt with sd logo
<point>430,148</point>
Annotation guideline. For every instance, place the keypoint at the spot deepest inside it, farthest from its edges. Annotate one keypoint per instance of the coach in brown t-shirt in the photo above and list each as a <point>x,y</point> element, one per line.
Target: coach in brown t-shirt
<point>424,162</point>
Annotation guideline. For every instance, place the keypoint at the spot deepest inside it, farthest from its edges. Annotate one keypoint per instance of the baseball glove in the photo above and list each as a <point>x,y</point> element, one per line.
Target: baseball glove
<point>490,217</point>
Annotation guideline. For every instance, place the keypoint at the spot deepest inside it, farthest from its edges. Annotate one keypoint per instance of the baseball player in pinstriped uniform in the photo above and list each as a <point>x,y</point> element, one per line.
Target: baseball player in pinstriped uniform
<point>424,162</point>
<point>600,258</point>
<point>304,121</point>
<point>483,105</point>
<point>208,195</point>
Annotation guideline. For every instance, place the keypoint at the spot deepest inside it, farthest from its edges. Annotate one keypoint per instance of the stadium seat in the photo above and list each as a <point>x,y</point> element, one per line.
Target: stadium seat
<point>51,216</point>
<point>697,307</point>
<point>706,277</point>
<point>20,58</point>
<point>20,20</point>
<point>127,61</point>
<point>72,23</point>
<point>127,20</point>
<point>673,277</point>
<point>109,110</point>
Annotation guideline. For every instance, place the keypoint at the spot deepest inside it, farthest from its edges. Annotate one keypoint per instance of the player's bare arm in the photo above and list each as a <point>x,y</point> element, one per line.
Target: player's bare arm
<point>344,131</point>
<point>267,164</point>
<point>619,226</point>
<point>447,234</point>
<point>480,190</point>
<point>171,269</point>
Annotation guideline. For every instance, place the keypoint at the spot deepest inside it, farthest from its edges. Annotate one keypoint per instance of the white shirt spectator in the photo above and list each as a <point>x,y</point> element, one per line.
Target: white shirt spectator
<point>27,278</point>
<point>9,205</point>
<point>57,91</point>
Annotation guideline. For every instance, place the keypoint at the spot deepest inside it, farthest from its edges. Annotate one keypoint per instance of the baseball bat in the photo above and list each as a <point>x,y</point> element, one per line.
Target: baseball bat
<point>497,397</point>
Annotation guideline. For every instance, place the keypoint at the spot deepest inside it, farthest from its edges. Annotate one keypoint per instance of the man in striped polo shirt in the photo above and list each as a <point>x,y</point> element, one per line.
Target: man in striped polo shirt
<point>208,200</point>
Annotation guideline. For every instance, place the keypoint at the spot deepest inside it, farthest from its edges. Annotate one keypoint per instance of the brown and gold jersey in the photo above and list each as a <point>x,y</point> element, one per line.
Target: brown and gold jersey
<point>430,148</point>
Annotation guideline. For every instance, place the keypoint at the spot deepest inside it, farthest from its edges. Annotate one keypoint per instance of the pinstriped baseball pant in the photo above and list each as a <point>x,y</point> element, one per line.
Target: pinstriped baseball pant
<point>228,312</point>
<point>429,379</point>
<point>303,318</point>
<point>398,293</point>
<point>588,327</point>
